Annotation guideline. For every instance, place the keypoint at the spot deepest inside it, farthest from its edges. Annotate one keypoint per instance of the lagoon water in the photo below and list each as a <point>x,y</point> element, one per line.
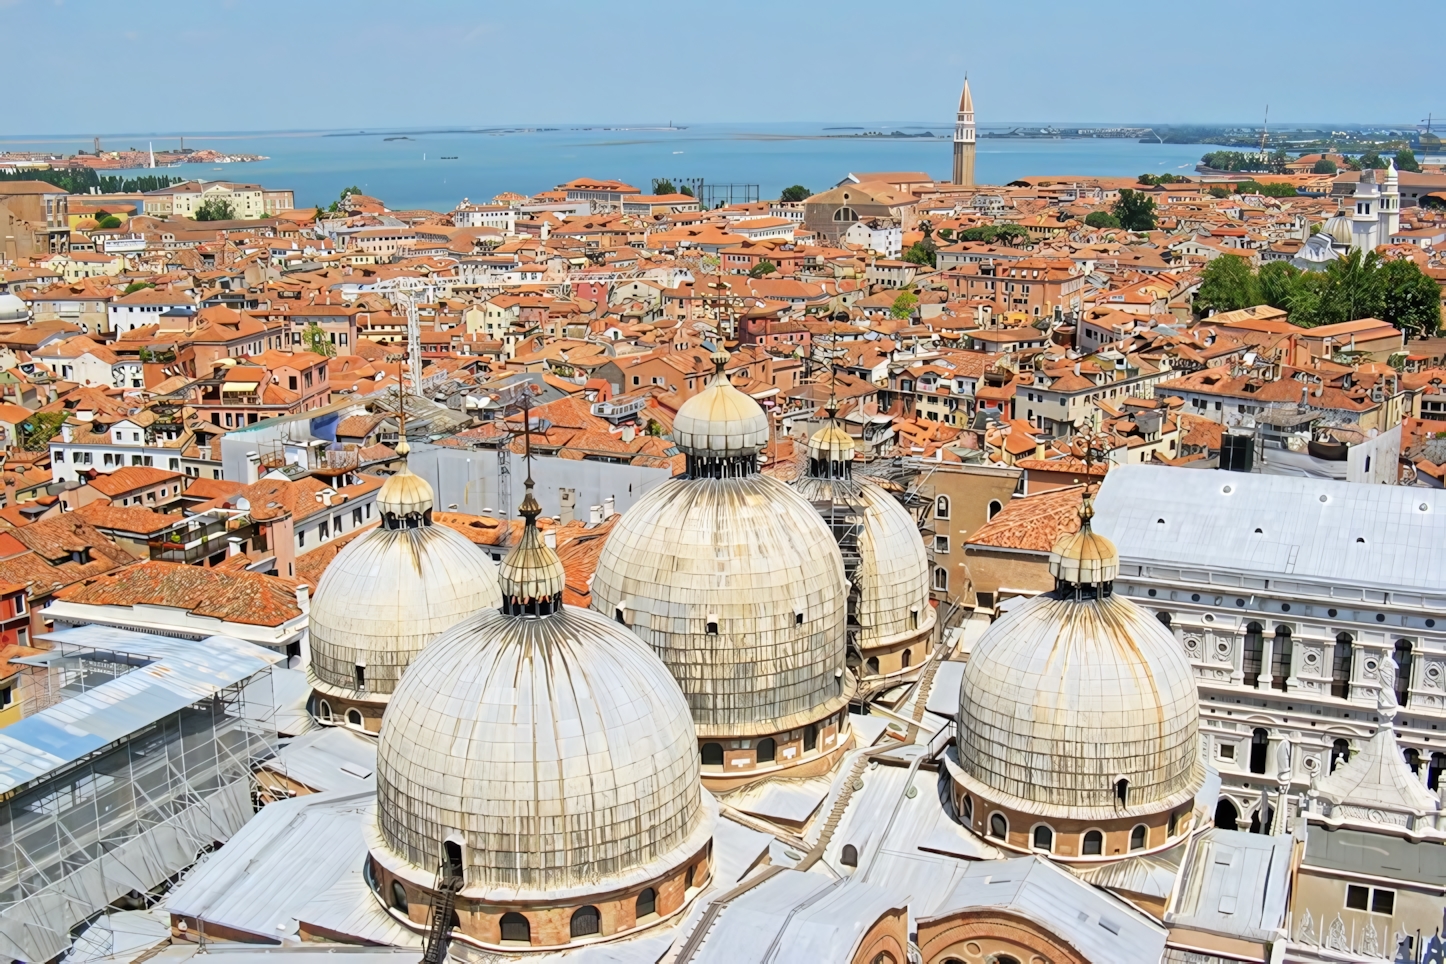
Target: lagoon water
<point>407,169</point>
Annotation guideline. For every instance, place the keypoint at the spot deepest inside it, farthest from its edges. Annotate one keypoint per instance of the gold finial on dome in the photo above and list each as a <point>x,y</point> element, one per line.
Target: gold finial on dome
<point>1084,558</point>
<point>531,575</point>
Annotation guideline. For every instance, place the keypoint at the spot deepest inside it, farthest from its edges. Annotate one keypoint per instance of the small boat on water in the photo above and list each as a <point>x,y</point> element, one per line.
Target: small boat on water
<point>449,157</point>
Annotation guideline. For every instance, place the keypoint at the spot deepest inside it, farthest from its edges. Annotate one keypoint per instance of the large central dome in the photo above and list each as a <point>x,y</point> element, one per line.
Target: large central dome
<point>737,584</point>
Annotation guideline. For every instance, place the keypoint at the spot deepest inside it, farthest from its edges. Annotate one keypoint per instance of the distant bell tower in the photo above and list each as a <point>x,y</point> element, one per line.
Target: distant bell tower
<point>964,139</point>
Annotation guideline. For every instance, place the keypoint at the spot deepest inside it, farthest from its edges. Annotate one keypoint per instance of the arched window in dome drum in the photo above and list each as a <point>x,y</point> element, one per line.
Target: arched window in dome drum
<point>1122,792</point>
<point>1250,658</point>
<point>1094,844</point>
<point>1137,838</point>
<point>968,809</point>
<point>689,878</point>
<point>585,921</point>
<point>849,857</point>
<point>767,748</point>
<point>1403,671</point>
<point>712,754</point>
<point>1259,744</point>
<point>1340,753</point>
<point>873,665</point>
<point>998,826</point>
<point>906,658</point>
<point>647,903</point>
<point>354,717</point>
<point>1341,658</point>
<point>810,736</point>
<point>516,928</point>
<point>1280,653</point>
<point>1043,838</point>
<point>399,896</point>
<point>323,710</point>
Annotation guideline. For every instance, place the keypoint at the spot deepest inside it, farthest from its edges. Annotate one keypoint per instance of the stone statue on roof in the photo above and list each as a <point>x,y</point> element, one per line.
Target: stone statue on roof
<point>1386,677</point>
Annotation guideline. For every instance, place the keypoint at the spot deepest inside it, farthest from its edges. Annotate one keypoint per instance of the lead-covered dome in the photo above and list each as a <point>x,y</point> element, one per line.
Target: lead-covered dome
<point>891,574</point>
<point>390,592</point>
<point>1076,690</point>
<point>733,579</point>
<point>548,743</point>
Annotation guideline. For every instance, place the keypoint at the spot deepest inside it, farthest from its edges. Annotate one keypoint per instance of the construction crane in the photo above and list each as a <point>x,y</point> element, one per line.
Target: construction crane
<point>404,290</point>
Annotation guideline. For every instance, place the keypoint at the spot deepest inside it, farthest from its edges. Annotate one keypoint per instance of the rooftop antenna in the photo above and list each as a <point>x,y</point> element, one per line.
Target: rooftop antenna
<point>1265,130</point>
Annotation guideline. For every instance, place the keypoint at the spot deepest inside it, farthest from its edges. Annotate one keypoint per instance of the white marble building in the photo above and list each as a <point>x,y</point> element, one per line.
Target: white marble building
<point>1288,595</point>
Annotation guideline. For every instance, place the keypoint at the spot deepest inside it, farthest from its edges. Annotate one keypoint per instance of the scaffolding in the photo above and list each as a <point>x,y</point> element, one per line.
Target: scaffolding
<point>137,795</point>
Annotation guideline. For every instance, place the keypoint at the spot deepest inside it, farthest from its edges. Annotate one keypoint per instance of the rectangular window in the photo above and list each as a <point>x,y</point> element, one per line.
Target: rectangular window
<point>5,697</point>
<point>1357,897</point>
<point>1227,751</point>
<point>324,530</point>
<point>300,537</point>
<point>941,543</point>
<point>356,517</point>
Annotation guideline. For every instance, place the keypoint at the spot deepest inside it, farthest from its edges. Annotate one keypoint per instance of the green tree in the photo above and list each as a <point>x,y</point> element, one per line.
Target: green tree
<point>315,339</point>
<point>1276,280</point>
<point>1219,191</point>
<point>1278,159</point>
<point>903,305</point>
<point>346,192</point>
<point>921,252</point>
<point>794,194</point>
<point>1102,219</point>
<point>135,286</point>
<point>108,222</point>
<point>685,189</point>
<point>215,209</point>
<point>947,234</point>
<point>37,430</point>
<point>1370,159</point>
<point>1353,289</point>
<point>1410,299</point>
<point>661,185</point>
<point>762,268</point>
<point>1014,235</point>
<point>1265,190</point>
<point>1406,161</point>
<point>1324,166</point>
<point>984,232</point>
<point>1136,211</point>
<point>1226,284</point>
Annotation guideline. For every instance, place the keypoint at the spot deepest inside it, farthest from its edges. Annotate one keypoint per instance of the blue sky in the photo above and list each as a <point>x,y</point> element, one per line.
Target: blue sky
<point>87,66</point>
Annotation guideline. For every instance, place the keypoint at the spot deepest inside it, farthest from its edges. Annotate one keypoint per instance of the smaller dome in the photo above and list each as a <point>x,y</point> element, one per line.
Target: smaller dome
<point>13,308</point>
<point>1338,228</point>
<point>1084,558</point>
<point>831,443</point>
<point>404,495</point>
<point>720,421</point>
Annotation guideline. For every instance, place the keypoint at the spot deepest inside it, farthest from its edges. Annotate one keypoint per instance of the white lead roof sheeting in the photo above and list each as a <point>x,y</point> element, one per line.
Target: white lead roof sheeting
<point>1309,528</point>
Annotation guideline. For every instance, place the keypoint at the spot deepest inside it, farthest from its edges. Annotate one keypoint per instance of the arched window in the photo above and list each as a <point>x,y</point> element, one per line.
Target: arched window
<point>712,754</point>
<point>1043,838</point>
<point>1403,671</point>
<point>767,747</point>
<point>810,737</point>
<point>712,626</point>
<point>1340,753</point>
<point>1122,792</point>
<point>969,808</point>
<point>361,676</point>
<point>1341,659</point>
<point>941,507</point>
<point>941,579</point>
<point>323,710</point>
<point>1227,817</point>
<point>907,658</point>
<point>850,856</point>
<point>998,826</point>
<point>873,665</point>
<point>1259,743</point>
<point>690,876</point>
<point>354,717</point>
<point>1254,650</point>
<point>995,507</point>
<point>1174,824</point>
<point>399,896</point>
<point>1164,618</point>
<point>1280,658</point>
<point>585,922</point>
<point>1094,844</point>
<point>452,851</point>
<point>1413,760</point>
<point>516,929</point>
<point>647,903</point>
<point>1137,838</point>
<point>1005,959</point>
<point>845,214</point>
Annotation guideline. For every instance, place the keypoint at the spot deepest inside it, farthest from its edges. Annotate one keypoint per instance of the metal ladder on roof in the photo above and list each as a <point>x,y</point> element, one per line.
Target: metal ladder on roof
<point>444,904</point>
